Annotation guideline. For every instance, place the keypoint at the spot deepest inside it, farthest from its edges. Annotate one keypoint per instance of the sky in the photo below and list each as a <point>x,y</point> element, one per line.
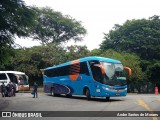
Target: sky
<point>97,16</point>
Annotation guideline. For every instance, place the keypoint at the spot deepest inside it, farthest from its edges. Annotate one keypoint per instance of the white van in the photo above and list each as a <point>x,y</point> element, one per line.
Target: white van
<point>20,78</point>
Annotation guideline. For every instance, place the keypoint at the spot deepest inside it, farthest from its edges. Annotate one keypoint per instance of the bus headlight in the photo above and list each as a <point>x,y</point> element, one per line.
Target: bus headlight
<point>105,88</point>
<point>125,89</point>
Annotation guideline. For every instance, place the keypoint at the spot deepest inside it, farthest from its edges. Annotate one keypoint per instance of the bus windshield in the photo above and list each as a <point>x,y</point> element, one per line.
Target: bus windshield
<point>22,79</point>
<point>108,73</point>
<point>109,69</point>
<point>112,69</point>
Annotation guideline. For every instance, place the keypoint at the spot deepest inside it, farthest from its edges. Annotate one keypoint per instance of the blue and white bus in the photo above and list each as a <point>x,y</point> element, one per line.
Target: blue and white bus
<point>89,76</point>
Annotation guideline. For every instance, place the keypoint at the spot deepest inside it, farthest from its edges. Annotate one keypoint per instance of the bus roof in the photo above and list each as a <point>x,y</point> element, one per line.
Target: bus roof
<point>15,72</point>
<point>86,59</point>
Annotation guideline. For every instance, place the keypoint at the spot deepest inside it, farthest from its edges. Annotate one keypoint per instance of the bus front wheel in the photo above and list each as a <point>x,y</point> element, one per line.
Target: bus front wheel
<point>88,94</point>
<point>107,98</point>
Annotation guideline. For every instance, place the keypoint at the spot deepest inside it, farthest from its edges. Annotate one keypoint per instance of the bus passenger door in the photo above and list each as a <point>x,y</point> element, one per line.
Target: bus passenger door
<point>97,77</point>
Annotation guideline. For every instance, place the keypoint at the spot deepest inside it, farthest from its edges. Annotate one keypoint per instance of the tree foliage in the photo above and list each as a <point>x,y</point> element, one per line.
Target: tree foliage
<point>6,53</point>
<point>138,36</point>
<point>76,52</point>
<point>153,71</point>
<point>15,19</point>
<point>53,26</point>
<point>44,24</point>
<point>141,37</point>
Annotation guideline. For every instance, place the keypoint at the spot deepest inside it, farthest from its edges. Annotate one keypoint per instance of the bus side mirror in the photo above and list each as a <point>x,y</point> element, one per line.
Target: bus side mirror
<point>128,70</point>
<point>102,69</point>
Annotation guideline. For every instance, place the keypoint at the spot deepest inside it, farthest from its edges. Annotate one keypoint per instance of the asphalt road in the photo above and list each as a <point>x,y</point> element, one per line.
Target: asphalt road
<point>132,102</point>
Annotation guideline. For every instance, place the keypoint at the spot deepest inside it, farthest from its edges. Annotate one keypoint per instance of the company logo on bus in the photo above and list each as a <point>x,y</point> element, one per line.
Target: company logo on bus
<point>74,70</point>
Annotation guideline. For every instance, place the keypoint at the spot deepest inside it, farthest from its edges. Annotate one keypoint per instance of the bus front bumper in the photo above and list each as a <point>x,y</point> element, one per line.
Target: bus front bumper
<point>116,92</point>
<point>112,92</point>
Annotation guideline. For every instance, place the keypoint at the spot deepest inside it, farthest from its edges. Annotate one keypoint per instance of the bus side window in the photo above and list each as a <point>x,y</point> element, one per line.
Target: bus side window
<point>84,68</point>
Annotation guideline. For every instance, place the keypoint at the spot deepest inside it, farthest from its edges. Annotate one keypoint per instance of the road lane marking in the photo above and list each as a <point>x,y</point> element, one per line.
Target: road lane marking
<point>143,104</point>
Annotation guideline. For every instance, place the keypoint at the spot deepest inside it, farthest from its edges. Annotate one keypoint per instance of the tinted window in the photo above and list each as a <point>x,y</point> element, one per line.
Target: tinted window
<point>68,70</point>
<point>61,71</point>
<point>84,68</point>
<point>3,76</point>
<point>96,71</point>
<point>12,78</point>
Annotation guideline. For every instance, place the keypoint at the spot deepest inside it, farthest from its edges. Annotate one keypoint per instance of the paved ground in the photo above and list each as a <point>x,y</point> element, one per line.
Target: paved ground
<point>132,102</point>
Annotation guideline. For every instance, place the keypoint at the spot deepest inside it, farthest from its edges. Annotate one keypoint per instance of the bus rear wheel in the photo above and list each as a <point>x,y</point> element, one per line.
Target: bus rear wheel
<point>52,92</point>
<point>87,93</point>
<point>68,95</point>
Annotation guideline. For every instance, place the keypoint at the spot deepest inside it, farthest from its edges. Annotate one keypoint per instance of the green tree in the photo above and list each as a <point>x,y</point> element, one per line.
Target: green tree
<point>15,19</point>
<point>6,53</point>
<point>53,26</point>
<point>96,52</point>
<point>75,52</point>
<point>138,36</point>
<point>141,37</point>
<point>153,72</point>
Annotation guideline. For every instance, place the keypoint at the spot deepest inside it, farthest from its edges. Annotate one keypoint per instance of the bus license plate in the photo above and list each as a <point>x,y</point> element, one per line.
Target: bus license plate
<point>117,94</point>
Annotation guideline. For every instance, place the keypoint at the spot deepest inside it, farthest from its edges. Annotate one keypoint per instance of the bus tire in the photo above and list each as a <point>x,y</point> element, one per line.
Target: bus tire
<point>52,92</point>
<point>87,93</point>
<point>107,98</point>
<point>68,95</point>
